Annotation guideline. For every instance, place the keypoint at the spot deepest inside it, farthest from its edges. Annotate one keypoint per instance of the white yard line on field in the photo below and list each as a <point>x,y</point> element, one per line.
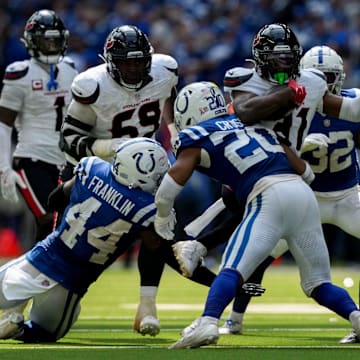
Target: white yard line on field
<point>281,308</point>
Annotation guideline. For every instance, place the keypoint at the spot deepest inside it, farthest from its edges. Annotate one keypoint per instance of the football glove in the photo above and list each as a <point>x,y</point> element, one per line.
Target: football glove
<point>315,141</point>
<point>300,92</point>
<point>164,226</point>
<point>105,148</point>
<point>9,178</point>
<point>253,289</point>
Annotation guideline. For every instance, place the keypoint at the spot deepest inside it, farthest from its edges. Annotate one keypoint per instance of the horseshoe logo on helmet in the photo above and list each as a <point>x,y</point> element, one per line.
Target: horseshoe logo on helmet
<point>185,106</point>
<point>140,163</point>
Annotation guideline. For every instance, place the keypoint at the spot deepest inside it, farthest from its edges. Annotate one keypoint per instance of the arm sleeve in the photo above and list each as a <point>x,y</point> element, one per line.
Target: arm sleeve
<point>166,194</point>
<point>75,138</point>
<point>350,109</point>
<point>5,146</point>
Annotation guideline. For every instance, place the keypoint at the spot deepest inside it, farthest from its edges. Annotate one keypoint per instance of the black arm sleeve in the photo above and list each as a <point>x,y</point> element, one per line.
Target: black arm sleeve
<point>57,201</point>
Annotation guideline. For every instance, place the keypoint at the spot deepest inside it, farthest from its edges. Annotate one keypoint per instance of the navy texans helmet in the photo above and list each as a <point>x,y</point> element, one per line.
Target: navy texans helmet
<point>277,52</point>
<point>46,37</point>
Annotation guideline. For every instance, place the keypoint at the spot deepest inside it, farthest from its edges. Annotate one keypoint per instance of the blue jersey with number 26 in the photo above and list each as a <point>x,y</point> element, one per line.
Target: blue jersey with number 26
<point>99,224</point>
<point>235,154</point>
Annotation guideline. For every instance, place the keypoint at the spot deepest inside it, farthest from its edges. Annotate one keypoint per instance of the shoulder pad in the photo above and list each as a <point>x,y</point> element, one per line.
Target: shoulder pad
<point>16,70</point>
<point>237,76</point>
<point>85,90</point>
<point>69,61</point>
<point>166,61</point>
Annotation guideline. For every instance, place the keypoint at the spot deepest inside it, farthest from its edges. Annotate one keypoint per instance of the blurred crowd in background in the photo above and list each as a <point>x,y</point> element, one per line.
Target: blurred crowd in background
<point>206,37</point>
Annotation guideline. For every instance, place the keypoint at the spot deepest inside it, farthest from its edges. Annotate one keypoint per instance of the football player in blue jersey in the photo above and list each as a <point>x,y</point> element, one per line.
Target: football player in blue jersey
<point>335,167</point>
<point>34,98</point>
<point>253,163</point>
<point>277,53</point>
<point>109,206</point>
<point>128,96</point>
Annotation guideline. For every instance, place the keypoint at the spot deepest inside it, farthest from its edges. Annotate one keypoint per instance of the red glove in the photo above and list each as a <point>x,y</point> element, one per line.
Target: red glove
<point>300,91</point>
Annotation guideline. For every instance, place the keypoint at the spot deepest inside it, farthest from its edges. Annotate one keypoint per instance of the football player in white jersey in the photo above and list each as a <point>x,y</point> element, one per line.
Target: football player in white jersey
<point>253,163</point>
<point>334,161</point>
<point>126,97</point>
<point>335,167</point>
<point>108,206</point>
<point>130,95</point>
<point>289,111</point>
<point>34,99</point>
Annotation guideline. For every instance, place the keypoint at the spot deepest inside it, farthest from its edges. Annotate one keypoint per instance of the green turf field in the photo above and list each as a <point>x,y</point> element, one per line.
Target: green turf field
<point>282,324</point>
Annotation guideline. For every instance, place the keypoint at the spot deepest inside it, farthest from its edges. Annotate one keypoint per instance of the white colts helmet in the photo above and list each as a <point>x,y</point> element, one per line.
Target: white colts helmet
<point>197,102</point>
<point>329,62</point>
<point>140,163</point>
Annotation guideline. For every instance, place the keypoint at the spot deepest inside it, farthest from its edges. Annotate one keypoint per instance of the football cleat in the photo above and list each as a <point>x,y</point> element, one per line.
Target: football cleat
<point>146,322</point>
<point>10,324</point>
<point>189,253</point>
<point>231,327</point>
<point>149,325</point>
<point>203,331</point>
<point>350,338</point>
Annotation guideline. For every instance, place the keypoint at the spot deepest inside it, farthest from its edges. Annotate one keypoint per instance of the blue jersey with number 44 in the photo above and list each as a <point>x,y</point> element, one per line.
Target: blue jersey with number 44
<point>101,221</point>
<point>234,154</point>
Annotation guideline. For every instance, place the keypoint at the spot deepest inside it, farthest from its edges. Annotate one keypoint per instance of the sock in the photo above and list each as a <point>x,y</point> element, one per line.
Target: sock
<point>221,292</point>
<point>148,292</point>
<point>235,316</point>
<point>334,298</point>
<point>151,265</point>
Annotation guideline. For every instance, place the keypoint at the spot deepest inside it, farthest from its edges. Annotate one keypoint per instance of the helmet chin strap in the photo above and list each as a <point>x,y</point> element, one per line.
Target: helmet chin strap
<point>133,87</point>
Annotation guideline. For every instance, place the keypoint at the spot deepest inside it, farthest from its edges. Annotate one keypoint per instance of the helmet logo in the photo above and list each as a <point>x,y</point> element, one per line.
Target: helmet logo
<point>256,40</point>
<point>186,105</point>
<point>29,26</point>
<point>109,44</point>
<point>140,164</point>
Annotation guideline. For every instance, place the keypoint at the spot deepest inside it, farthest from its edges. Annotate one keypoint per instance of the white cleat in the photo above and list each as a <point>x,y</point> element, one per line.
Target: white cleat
<point>350,338</point>
<point>189,253</point>
<point>203,331</point>
<point>231,327</point>
<point>149,325</point>
<point>10,323</point>
<point>146,321</point>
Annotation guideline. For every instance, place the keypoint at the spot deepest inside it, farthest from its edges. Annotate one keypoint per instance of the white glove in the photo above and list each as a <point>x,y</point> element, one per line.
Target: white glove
<point>315,141</point>
<point>165,226</point>
<point>8,180</point>
<point>105,148</point>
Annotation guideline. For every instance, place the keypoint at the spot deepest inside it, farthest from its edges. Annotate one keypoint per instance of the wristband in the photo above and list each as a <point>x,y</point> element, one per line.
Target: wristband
<point>308,175</point>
